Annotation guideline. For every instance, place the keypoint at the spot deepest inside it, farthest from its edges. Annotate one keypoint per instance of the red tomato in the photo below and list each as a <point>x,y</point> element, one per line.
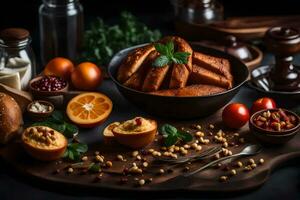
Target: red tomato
<point>263,103</point>
<point>235,115</point>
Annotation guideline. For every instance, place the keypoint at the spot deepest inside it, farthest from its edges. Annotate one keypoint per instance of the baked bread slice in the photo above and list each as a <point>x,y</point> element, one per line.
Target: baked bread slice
<point>215,64</point>
<point>201,75</point>
<point>133,61</point>
<point>191,91</point>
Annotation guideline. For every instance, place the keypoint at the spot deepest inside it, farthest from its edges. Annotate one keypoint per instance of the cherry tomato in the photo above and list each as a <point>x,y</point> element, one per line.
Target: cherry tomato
<point>235,115</point>
<point>263,103</point>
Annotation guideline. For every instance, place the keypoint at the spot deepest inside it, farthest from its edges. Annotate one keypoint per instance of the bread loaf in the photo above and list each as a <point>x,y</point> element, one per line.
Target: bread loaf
<point>10,118</point>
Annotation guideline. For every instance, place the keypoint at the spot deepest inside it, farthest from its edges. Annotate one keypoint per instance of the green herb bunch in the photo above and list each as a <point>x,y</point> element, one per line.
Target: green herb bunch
<point>172,135</point>
<point>102,41</point>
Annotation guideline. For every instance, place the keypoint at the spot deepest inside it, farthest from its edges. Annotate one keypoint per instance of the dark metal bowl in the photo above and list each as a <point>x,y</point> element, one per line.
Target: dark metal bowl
<point>181,107</point>
<point>273,137</point>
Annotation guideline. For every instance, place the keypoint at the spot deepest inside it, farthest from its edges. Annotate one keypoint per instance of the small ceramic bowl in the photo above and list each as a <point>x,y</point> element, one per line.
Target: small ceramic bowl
<point>40,116</point>
<point>42,94</point>
<point>273,137</point>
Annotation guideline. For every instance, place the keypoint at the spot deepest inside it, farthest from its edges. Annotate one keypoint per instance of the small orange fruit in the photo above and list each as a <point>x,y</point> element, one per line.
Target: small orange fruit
<point>86,76</point>
<point>89,109</point>
<point>59,66</point>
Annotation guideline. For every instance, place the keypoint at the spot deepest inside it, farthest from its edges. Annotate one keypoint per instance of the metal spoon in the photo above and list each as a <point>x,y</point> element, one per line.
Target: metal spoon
<point>247,151</point>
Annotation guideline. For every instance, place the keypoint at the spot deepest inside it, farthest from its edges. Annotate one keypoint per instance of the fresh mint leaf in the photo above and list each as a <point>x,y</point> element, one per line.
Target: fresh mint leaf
<point>94,167</point>
<point>161,48</point>
<point>70,130</point>
<point>186,137</point>
<point>172,135</point>
<point>170,140</point>
<point>180,57</point>
<point>168,129</point>
<point>75,150</point>
<point>161,61</point>
<point>170,48</point>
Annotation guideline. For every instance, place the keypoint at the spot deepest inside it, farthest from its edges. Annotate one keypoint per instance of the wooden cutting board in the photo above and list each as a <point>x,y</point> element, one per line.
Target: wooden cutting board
<point>206,181</point>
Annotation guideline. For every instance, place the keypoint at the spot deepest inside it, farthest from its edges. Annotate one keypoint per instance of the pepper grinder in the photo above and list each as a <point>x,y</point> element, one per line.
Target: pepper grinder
<point>284,43</point>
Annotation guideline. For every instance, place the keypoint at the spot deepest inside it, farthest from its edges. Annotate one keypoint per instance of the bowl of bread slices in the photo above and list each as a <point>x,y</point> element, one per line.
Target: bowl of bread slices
<point>172,79</point>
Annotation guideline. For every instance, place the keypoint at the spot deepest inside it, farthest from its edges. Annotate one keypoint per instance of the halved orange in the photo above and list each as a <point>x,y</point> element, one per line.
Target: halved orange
<point>89,109</point>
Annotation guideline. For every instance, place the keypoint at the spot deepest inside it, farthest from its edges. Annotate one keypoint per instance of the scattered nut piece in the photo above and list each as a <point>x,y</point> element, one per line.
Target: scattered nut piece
<point>84,158</point>
<point>96,153</point>
<point>134,153</point>
<point>108,164</point>
<point>145,164</point>
<point>198,127</point>
<point>70,170</point>
<point>223,178</point>
<point>98,158</point>
<point>161,171</point>
<point>253,165</point>
<point>261,161</point>
<point>233,172</point>
<point>251,161</point>
<point>138,157</point>
<point>120,157</point>
<point>211,126</point>
<point>239,164</point>
<point>141,182</point>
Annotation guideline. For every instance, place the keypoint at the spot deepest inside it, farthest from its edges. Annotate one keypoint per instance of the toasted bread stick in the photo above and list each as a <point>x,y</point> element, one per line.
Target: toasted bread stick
<point>133,61</point>
<point>180,72</point>
<point>137,79</point>
<point>192,90</point>
<point>201,75</point>
<point>215,64</point>
<point>155,75</point>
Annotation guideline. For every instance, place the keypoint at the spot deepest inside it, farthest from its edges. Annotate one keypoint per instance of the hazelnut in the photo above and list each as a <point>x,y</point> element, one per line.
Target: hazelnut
<point>141,182</point>
<point>108,164</point>
<point>261,161</point>
<point>223,178</point>
<point>84,158</point>
<point>134,153</point>
<point>70,170</point>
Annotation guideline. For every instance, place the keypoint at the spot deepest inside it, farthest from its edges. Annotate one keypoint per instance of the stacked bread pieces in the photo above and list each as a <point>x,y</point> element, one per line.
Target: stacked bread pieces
<point>202,74</point>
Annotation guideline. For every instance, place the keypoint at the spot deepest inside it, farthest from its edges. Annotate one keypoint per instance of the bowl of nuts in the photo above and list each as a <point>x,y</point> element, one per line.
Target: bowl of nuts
<point>40,110</point>
<point>274,126</point>
<point>44,86</point>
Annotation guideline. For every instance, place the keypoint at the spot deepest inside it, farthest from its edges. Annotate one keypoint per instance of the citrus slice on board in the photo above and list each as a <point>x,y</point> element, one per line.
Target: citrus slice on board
<point>89,109</point>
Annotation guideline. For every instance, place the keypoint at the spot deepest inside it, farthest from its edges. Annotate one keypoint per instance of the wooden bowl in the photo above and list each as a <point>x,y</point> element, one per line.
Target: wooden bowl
<point>40,116</point>
<point>273,137</point>
<point>137,140</point>
<point>42,94</point>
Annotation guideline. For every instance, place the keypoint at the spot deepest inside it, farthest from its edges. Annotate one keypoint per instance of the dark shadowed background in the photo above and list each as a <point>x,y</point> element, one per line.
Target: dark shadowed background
<point>155,13</point>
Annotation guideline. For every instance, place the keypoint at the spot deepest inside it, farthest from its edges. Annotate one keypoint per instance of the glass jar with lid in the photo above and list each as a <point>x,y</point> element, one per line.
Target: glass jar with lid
<point>17,60</point>
<point>198,11</point>
<point>61,29</point>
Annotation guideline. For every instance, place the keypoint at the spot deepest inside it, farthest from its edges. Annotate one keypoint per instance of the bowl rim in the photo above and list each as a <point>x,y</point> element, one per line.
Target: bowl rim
<point>43,101</point>
<point>111,66</point>
<point>46,92</point>
<point>271,132</point>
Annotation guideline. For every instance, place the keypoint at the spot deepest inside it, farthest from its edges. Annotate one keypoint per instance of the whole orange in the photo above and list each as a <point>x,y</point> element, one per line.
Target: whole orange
<point>86,76</point>
<point>59,66</point>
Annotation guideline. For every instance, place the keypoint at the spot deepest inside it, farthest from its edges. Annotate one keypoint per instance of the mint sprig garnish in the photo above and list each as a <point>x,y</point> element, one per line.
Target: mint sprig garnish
<point>75,150</point>
<point>172,135</point>
<point>168,56</point>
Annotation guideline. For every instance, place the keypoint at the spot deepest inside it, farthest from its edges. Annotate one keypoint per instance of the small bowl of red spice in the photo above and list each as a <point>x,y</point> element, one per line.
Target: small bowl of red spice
<point>42,86</point>
<point>274,126</point>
